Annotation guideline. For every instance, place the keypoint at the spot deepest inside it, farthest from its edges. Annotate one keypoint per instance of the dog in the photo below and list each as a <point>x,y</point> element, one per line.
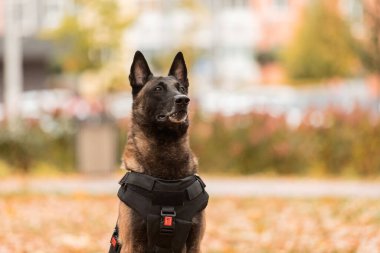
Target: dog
<point>158,146</point>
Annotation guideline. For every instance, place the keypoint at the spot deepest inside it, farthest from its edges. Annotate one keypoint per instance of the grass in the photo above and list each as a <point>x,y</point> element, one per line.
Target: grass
<point>82,223</point>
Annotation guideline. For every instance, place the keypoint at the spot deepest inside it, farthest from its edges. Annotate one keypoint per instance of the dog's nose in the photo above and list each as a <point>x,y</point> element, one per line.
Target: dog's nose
<point>181,100</point>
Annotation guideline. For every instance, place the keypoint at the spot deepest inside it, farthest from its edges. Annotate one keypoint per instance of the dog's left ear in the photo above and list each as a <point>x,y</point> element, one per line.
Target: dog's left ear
<point>178,69</point>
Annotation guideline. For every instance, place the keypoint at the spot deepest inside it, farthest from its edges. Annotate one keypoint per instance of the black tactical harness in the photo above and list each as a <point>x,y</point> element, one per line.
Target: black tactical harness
<point>167,206</point>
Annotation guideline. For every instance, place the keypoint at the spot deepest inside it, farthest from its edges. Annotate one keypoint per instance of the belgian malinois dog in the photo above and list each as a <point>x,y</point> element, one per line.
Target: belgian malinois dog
<point>158,144</point>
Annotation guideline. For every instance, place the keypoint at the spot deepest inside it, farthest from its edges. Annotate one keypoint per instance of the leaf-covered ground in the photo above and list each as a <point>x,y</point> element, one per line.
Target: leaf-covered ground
<point>82,223</point>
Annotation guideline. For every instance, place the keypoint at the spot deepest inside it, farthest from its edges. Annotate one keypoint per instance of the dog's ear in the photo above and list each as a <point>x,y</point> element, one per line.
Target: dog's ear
<point>140,73</point>
<point>178,69</point>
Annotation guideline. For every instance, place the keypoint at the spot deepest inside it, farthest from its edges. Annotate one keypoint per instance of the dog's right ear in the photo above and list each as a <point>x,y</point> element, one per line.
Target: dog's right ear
<point>140,73</point>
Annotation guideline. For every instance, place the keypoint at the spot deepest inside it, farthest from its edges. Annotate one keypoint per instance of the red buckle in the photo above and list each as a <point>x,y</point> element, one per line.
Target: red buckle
<point>113,241</point>
<point>168,221</point>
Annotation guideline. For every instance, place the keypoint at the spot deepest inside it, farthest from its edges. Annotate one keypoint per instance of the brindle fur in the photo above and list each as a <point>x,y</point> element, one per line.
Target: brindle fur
<point>159,149</point>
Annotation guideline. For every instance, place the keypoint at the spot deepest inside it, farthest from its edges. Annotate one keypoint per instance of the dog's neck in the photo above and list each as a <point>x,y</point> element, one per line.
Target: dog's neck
<point>159,158</point>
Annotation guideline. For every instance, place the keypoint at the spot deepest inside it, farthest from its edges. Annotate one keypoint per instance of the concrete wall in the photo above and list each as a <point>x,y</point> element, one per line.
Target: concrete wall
<point>96,148</point>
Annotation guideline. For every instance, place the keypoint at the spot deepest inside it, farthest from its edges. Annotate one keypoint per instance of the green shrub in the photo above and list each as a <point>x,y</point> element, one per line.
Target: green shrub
<point>322,47</point>
<point>30,144</point>
<point>342,145</point>
<point>345,144</point>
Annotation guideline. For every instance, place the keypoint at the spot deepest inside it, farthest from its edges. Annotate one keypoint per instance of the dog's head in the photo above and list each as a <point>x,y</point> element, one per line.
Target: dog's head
<point>160,103</point>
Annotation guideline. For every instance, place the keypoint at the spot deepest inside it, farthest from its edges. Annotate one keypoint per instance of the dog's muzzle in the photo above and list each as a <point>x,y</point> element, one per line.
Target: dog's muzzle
<point>179,112</point>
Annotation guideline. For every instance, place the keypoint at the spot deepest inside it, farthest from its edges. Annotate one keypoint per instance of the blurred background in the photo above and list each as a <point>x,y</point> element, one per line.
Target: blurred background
<point>278,86</point>
<point>280,89</point>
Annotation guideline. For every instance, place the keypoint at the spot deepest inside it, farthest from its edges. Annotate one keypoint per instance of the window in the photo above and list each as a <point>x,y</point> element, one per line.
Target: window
<point>53,11</point>
<point>281,4</point>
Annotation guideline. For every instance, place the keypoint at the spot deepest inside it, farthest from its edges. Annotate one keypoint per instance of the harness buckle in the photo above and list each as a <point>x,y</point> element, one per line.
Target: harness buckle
<point>167,223</point>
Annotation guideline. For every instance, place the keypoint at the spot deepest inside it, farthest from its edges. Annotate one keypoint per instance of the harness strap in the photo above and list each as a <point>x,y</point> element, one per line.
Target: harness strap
<point>151,184</point>
<point>137,179</point>
<point>115,247</point>
<point>194,190</point>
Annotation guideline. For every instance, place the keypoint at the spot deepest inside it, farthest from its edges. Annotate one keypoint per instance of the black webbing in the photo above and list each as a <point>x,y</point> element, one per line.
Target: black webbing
<point>164,192</point>
<point>194,190</point>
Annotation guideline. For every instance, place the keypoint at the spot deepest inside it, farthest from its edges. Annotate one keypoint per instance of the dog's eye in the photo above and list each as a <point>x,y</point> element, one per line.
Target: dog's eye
<point>158,88</point>
<point>182,89</point>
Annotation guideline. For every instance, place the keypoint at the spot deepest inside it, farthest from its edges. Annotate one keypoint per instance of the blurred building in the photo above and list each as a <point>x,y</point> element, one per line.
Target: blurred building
<point>279,18</point>
<point>225,35</point>
<point>221,38</point>
<point>34,16</point>
<point>222,34</point>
